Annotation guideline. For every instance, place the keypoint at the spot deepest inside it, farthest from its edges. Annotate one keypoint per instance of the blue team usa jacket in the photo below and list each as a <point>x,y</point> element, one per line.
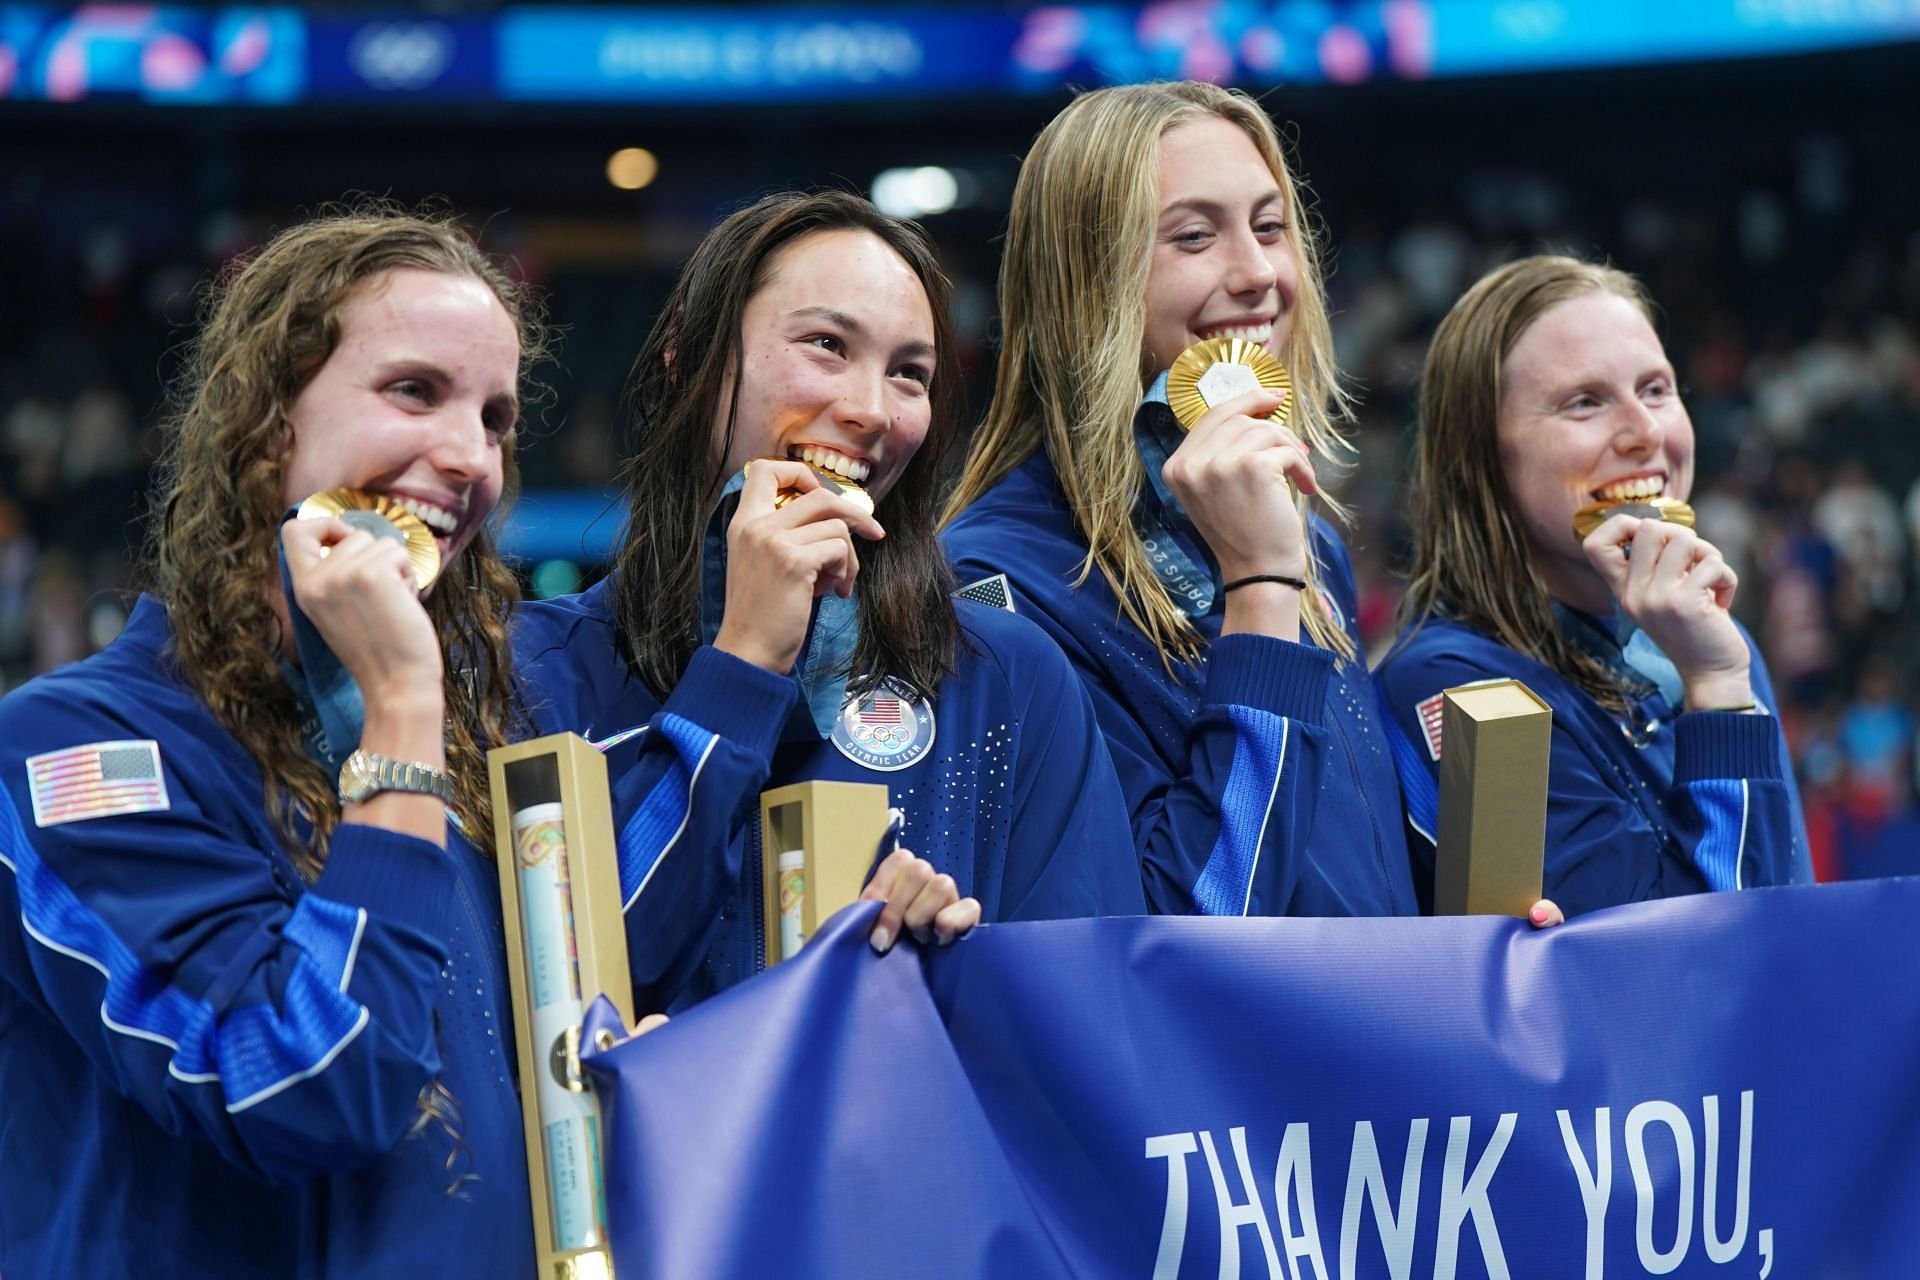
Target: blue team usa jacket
<point>1003,781</point>
<point>1260,781</point>
<point>208,1066</point>
<point>1648,805</point>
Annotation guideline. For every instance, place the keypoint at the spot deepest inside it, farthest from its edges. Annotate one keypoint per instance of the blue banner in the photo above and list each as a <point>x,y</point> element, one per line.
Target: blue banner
<point>704,53</point>
<point>1721,1085</point>
<point>400,56</point>
<point>1485,37</point>
<point>761,55</point>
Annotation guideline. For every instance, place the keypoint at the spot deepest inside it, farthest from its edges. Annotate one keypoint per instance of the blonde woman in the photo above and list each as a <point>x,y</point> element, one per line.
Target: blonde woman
<point>255,1014</point>
<point>1547,390</point>
<point>1205,607</point>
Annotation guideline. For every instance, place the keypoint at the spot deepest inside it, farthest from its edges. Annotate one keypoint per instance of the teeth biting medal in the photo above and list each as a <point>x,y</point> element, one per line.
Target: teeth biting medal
<point>382,517</point>
<point>839,484</point>
<point>1594,514</point>
<point>1216,370</point>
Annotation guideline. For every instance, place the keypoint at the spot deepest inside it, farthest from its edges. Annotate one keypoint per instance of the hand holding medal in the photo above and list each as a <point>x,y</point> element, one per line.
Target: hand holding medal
<point>1595,514</point>
<point>1237,468</point>
<point>359,563</point>
<point>838,485</point>
<point>789,543</point>
<point>1210,373</point>
<point>383,517</point>
<point>1676,587</point>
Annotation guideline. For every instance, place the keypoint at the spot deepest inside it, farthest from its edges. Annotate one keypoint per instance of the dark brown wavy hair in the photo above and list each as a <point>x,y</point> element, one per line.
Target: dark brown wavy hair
<point>907,623</point>
<point>270,322</point>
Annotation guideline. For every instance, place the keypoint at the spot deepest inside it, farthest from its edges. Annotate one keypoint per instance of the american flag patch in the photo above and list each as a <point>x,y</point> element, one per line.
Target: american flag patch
<point>1429,712</point>
<point>99,780</point>
<point>883,709</point>
<point>995,592</point>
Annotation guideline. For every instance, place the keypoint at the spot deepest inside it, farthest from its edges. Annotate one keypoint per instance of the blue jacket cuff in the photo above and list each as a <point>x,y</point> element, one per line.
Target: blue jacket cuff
<point>397,877</point>
<point>1725,744</point>
<point>745,704</point>
<point>1274,675</point>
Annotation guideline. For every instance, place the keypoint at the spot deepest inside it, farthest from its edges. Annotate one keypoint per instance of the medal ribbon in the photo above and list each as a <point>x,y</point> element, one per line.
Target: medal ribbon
<point>1629,655</point>
<point>826,660</point>
<point>332,710</point>
<point>1164,524</point>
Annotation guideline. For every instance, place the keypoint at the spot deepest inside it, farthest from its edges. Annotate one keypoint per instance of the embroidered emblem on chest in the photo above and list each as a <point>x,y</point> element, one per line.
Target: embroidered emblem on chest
<point>99,780</point>
<point>887,728</point>
<point>1431,709</point>
<point>995,592</point>
<point>1334,612</point>
<point>1429,713</point>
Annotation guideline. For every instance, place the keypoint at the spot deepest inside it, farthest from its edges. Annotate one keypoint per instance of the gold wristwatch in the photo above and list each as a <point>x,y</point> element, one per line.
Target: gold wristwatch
<point>366,774</point>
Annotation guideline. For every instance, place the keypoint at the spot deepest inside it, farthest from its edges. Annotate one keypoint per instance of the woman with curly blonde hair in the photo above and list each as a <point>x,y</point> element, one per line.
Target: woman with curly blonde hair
<point>1206,607</point>
<point>250,962</point>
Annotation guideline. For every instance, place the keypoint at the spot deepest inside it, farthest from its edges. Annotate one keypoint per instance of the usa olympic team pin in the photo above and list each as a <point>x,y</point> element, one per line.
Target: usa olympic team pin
<point>887,728</point>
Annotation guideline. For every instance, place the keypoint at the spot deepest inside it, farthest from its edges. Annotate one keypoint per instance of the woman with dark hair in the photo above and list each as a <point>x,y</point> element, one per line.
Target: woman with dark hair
<point>250,935</point>
<point>1547,394</point>
<point>803,360</point>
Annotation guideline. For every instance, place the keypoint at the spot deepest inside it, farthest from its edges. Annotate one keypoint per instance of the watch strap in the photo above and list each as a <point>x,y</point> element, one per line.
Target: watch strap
<point>367,773</point>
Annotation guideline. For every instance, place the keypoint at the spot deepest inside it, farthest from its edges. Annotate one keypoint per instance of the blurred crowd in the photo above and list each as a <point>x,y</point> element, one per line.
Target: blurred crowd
<point>1792,315</point>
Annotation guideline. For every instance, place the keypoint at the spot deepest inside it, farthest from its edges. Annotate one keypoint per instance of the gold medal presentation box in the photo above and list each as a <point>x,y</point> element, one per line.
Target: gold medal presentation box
<point>566,944</point>
<point>1490,855</point>
<point>817,841</point>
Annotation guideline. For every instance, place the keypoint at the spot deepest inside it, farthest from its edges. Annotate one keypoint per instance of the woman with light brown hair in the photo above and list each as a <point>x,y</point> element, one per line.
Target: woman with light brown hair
<point>250,938</point>
<point>1205,605</point>
<point>1548,405</point>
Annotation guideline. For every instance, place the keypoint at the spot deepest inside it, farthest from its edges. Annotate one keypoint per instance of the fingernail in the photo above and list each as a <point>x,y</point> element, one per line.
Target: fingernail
<point>1538,915</point>
<point>881,938</point>
<point>943,939</point>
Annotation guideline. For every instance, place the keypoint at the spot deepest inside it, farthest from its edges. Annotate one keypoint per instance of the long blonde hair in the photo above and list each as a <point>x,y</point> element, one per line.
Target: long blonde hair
<point>1073,315</point>
<point>1470,559</point>
<point>271,322</point>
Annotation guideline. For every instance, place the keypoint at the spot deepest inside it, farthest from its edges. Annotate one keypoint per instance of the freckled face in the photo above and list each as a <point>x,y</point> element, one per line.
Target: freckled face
<point>415,402</point>
<point>837,358</point>
<point>1589,410</point>
<point>1223,265</point>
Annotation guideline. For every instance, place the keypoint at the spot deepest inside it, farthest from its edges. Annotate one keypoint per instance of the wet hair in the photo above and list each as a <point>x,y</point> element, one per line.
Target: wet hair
<point>1073,316</point>
<point>1471,561</point>
<point>270,322</point>
<point>678,390</point>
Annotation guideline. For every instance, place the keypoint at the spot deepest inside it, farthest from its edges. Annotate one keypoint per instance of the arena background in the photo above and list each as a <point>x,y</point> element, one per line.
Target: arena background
<point>1752,160</point>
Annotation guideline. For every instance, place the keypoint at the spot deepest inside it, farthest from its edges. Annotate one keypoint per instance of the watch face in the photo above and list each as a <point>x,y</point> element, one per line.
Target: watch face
<point>356,777</point>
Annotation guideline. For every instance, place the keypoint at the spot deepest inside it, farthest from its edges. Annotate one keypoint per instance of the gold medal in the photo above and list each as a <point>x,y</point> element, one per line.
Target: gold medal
<point>828,480</point>
<point>1215,371</point>
<point>1594,514</point>
<point>382,517</point>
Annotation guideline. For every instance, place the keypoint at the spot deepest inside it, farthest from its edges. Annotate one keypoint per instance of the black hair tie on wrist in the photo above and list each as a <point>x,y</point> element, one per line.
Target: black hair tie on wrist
<point>1298,584</point>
